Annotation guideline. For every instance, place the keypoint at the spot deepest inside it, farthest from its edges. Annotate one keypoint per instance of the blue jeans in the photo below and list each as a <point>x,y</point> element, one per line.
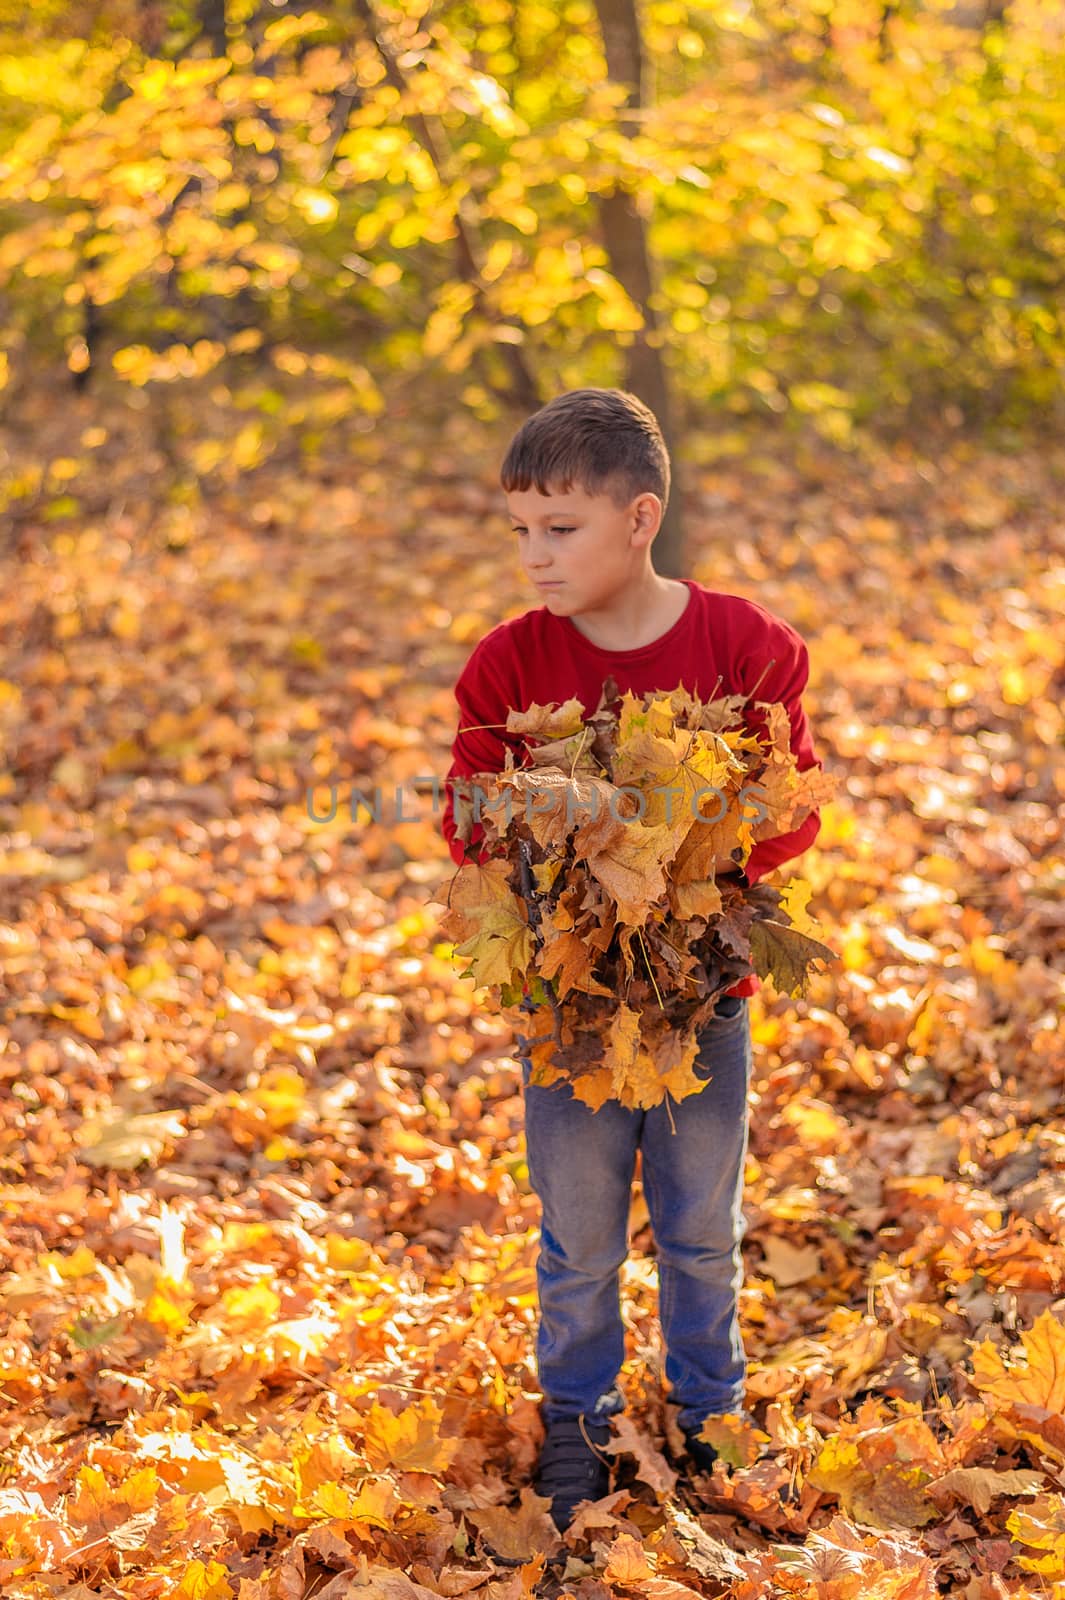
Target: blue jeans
<point>581,1165</point>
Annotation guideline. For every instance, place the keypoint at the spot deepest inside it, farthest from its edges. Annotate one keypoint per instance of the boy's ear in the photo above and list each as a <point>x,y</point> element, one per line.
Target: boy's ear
<point>648,509</point>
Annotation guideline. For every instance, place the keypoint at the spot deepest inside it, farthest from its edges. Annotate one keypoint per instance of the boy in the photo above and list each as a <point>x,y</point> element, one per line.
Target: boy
<point>586,480</point>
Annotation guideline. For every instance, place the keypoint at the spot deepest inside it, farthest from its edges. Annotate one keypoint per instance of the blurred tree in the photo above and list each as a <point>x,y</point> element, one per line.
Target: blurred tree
<point>630,261</point>
<point>469,251</point>
<point>836,217</point>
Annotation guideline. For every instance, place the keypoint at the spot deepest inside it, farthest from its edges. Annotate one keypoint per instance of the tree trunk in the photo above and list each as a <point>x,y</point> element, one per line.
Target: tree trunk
<point>211,15</point>
<point>468,250</point>
<point>626,242</point>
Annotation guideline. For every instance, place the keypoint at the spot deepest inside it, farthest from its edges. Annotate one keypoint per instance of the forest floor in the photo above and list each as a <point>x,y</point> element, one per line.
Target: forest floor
<point>269,1243</point>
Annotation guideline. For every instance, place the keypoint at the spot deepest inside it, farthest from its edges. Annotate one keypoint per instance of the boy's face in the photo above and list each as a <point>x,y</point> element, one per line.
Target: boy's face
<point>581,550</point>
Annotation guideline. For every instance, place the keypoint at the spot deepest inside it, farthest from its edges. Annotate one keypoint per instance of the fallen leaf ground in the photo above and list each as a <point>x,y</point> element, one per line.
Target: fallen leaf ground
<point>268,1239</point>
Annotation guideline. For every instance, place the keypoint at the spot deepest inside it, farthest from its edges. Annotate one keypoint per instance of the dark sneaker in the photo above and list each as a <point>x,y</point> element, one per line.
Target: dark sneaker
<point>569,1470</point>
<point>702,1455</point>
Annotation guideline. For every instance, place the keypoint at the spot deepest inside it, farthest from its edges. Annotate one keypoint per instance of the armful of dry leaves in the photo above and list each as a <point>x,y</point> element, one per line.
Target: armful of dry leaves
<point>609,887</point>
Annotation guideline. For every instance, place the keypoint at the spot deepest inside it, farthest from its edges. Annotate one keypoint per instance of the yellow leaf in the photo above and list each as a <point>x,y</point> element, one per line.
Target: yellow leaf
<point>250,1310</point>
<point>85,1021</point>
<point>281,1094</point>
<point>409,1440</point>
<point>123,1142</point>
<point>815,1124</point>
<point>793,901</point>
<point>1037,1381</point>
<point>204,1581</point>
<point>875,1477</point>
<point>488,923</point>
<point>627,1561</point>
<point>1041,1525</point>
<point>548,721</point>
<point>736,1441</point>
<point>78,1264</point>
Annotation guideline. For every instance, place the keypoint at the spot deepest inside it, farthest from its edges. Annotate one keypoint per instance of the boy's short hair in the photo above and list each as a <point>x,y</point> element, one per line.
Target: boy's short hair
<point>605,440</point>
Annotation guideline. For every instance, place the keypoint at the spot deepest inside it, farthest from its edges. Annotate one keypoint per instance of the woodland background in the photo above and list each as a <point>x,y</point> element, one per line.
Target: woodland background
<point>276,286</point>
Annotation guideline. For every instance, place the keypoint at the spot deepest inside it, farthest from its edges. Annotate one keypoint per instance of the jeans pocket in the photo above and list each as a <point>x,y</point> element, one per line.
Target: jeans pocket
<point>716,1035</point>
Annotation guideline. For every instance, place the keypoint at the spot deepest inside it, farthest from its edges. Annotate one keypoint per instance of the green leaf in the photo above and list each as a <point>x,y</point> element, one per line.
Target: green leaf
<point>538,994</point>
<point>88,1337</point>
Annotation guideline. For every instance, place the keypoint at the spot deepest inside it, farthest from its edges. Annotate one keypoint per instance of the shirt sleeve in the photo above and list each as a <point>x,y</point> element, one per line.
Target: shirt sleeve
<point>481,742</point>
<point>785,681</point>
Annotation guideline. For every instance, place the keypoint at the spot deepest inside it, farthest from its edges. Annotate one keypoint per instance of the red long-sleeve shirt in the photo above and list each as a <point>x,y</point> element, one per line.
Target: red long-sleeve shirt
<point>542,657</point>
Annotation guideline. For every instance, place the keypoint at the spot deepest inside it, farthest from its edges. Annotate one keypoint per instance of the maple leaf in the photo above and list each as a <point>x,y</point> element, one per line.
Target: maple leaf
<point>573,754</point>
<point>1037,1381</point>
<point>521,1533</point>
<point>122,1142</point>
<point>784,954</point>
<point>737,1441</point>
<point>709,848</point>
<point>552,803</point>
<point>788,1264</point>
<point>1030,1394</point>
<point>1042,1526</point>
<point>548,721</point>
<point>409,1439</point>
<point>978,1486</point>
<point>732,928</point>
<point>794,897</point>
<point>676,1058</point>
<point>373,1581</point>
<point>890,1498</point>
<point>627,1561</point>
<point>565,961</point>
<point>488,922</point>
<point>592,1089</point>
<point>629,863</point>
<point>696,896</point>
<point>623,1057</point>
